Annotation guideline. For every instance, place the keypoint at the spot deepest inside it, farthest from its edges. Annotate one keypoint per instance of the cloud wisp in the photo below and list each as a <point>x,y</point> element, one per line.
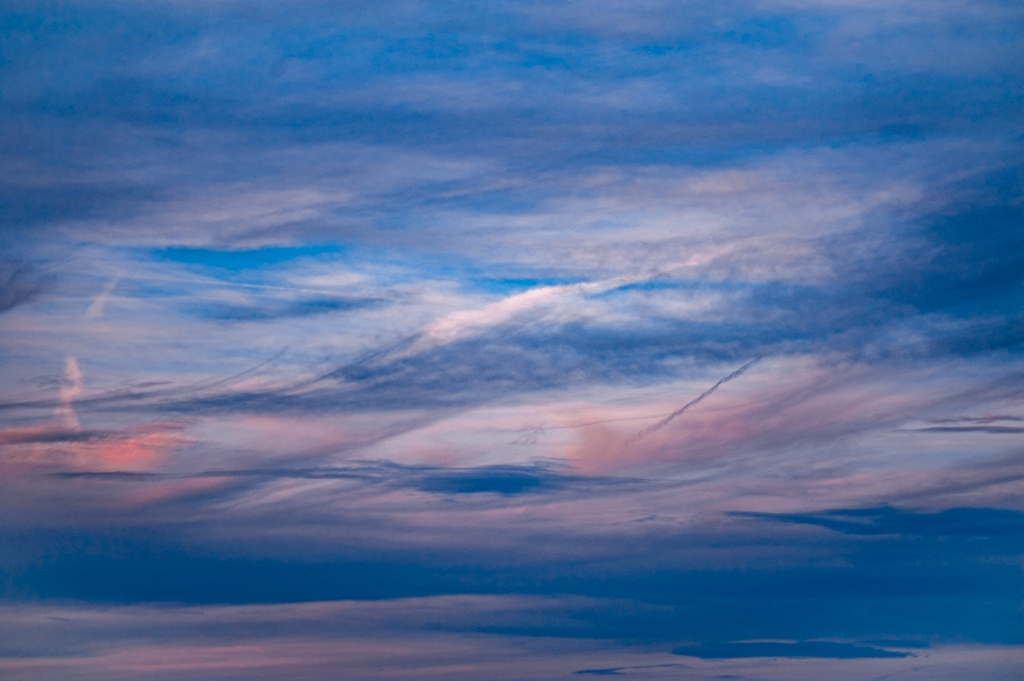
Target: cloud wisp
<point>697,400</point>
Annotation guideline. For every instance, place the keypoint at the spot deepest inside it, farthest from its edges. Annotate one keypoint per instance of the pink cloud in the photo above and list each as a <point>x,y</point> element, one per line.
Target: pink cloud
<point>177,489</point>
<point>788,409</point>
<point>142,448</point>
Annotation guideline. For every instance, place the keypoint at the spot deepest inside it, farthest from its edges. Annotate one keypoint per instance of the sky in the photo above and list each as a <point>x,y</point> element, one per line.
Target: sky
<point>512,340</point>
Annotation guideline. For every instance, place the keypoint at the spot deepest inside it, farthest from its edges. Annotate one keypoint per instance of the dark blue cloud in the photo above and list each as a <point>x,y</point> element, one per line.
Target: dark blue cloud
<point>625,670</point>
<point>278,310</point>
<point>897,643</point>
<point>891,586</point>
<point>995,430</point>
<point>269,76</point>
<point>20,283</point>
<point>841,651</point>
<point>504,480</point>
<point>954,522</point>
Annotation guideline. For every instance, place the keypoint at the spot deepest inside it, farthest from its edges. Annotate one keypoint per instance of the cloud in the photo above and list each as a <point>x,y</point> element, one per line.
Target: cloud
<point>842,651</point>
<point>957,522</point>
<point>621,670</point>
<point>430,641</point>
<point>533,480</point>
<point>20,283</point>
<point>305,308</point>
<point>142,447</point>
<point>995,430</point>
<point>679,412</point>
<point>70,389</point>
<point>95,310</point>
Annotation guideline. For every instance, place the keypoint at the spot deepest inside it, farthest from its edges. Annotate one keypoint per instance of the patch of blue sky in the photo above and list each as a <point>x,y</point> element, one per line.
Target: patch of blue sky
<point>273,265</point>
<point>239,260</point>
<point>768,32</point>
<point>683,284</point>
<point>516,285</point>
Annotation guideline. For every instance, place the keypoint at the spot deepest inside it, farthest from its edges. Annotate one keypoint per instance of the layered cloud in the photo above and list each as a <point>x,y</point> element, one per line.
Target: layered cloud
<point>614,338</point>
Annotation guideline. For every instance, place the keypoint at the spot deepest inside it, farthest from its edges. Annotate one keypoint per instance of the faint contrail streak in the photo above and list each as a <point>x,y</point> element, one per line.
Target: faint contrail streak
<point>665,421</point>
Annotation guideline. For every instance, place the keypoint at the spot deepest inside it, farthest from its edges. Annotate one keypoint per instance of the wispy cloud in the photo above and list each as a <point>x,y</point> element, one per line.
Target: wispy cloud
<point>704,395</point>
<point>19,284</point>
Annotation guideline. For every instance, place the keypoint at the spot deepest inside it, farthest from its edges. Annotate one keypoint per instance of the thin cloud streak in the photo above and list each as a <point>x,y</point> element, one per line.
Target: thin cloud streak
<point>697,400</point>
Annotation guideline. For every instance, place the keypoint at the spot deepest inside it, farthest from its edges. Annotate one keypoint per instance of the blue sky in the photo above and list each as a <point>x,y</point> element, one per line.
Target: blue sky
<point>511,340</point>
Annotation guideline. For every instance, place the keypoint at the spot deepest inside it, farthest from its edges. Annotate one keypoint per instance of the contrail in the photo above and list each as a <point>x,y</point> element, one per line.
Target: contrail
<point>665,421</point>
